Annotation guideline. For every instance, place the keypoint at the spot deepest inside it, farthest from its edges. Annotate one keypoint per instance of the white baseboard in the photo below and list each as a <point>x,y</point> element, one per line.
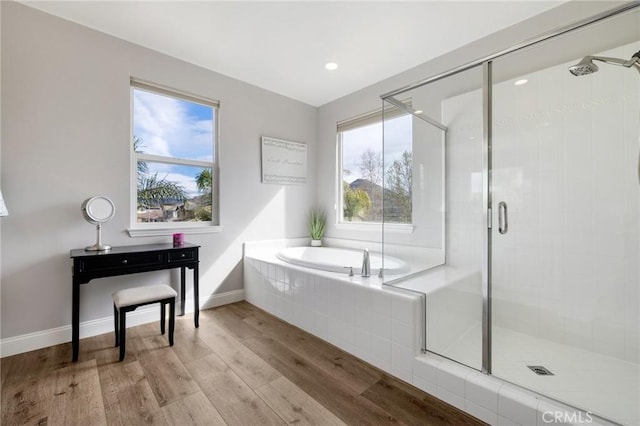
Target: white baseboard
<point>55,336</point>
<point>215,300</point>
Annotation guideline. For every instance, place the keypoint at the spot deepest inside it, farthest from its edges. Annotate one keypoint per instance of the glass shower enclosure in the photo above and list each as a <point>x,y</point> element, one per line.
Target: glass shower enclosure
<point>526,177</point>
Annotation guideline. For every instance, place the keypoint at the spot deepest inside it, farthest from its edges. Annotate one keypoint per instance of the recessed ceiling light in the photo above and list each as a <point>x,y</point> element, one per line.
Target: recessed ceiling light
<point>331,66</point>
<point>418,111</point>
<point>521,82</point>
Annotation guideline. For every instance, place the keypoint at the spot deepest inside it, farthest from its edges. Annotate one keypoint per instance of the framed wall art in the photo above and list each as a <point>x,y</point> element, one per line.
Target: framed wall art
<point>284,162</point>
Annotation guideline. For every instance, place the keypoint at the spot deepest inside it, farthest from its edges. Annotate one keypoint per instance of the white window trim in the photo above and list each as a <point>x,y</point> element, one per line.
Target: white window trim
<point>168,228</point>
<point>187,230</point>
<point>362,120</point>
<point>389,227</point>
<point>173,160</point>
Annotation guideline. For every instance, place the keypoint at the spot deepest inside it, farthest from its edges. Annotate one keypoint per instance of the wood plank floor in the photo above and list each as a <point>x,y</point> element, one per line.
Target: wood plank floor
<point>241,367</point>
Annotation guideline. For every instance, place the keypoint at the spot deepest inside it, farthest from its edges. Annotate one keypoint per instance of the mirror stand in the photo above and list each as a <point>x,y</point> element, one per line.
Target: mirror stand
<point>98,246</point>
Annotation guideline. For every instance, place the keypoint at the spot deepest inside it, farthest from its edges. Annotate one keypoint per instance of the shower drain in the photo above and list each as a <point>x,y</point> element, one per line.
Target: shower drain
<point>540,370</point>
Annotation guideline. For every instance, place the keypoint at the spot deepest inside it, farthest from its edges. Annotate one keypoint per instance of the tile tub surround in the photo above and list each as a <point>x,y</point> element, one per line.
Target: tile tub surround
<point>382,326</point>
<point>356,314</point>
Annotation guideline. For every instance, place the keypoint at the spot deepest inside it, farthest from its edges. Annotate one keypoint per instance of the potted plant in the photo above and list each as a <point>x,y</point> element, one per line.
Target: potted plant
<point>316,223</point>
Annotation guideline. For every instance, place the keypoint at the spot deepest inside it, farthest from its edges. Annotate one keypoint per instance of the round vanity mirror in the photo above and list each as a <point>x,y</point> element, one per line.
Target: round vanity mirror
<point>96,211</point>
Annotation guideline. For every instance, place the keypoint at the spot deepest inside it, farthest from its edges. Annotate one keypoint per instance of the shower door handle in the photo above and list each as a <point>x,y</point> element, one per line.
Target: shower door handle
<point>503,218</point>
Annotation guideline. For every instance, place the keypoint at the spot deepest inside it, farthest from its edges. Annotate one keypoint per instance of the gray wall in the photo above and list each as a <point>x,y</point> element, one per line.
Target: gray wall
<point>66,136</point>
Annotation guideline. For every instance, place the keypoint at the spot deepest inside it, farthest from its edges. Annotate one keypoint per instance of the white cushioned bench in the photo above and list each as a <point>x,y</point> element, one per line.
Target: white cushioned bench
<point>129,299</point>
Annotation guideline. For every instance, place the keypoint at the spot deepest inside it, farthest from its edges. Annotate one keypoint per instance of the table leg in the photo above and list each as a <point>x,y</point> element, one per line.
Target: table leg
<point>75,320</point>
<point>182,290</point>
<point>196,297</point>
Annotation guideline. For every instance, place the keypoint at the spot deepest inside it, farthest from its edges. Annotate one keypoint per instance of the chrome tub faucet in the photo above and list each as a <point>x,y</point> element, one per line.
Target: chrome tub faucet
<point>366,264</point>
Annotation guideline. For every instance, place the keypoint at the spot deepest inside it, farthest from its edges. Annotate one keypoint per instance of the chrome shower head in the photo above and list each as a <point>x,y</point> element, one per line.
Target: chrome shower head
<point>584,67</point>
<point>635,61</point>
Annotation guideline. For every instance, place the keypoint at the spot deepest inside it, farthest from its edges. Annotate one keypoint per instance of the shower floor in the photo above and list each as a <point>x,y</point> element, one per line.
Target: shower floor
<point>605,386</point>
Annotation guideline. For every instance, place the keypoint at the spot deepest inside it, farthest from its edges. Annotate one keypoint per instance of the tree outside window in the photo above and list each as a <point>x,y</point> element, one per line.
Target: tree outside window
<point>373,190</point>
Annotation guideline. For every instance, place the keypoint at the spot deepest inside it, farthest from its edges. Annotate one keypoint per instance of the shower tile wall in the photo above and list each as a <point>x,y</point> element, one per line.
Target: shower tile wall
<point>569,266</point>
<point>463,115</point>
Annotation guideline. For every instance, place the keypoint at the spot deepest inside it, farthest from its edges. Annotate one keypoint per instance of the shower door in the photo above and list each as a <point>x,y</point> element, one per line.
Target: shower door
<point>565,228</point>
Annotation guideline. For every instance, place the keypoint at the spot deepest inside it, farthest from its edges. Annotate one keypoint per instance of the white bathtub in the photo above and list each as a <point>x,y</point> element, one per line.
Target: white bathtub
<point>341,260</point>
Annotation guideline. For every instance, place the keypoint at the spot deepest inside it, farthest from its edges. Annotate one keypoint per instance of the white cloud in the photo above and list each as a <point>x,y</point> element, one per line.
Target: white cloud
<point>167,127</point>
<point>397,139</point>
<point>187,182</point>
<point>184,176</point>
<point>154,118</point>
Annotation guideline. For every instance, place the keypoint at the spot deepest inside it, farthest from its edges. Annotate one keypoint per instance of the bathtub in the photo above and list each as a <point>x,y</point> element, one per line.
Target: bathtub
<point>341,260</point>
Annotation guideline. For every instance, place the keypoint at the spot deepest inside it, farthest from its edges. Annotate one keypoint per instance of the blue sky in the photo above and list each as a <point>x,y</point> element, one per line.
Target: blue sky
<point>172,127</point>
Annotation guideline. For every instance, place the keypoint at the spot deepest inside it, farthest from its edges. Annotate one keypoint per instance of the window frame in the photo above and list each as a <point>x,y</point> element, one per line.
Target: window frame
<point>140,229</point>
<point>372,117</point>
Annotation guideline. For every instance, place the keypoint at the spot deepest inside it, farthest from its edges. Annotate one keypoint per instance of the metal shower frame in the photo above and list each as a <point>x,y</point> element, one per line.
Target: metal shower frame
<point>486,63</point>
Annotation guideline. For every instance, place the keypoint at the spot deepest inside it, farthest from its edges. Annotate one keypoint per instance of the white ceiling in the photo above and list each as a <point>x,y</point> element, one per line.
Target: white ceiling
<point>283,46</point>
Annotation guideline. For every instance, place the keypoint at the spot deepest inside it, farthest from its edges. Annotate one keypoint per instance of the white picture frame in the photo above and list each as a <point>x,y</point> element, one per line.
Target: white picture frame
<point>283,162</point>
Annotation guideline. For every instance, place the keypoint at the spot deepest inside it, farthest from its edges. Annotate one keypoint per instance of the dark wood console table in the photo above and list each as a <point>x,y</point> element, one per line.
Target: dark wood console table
<point>125,260</point>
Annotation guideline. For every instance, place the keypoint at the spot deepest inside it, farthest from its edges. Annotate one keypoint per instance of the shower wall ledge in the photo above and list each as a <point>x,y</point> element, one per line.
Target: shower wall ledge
<point>490,399</point>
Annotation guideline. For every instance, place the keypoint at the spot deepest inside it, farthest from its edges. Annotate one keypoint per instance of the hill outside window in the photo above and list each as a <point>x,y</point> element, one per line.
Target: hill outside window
<point>375,186</point>
<point>174,161</point>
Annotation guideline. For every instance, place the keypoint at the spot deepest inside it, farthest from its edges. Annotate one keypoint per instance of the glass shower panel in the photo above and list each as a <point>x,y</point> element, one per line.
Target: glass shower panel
<point>565,241</point>
<point>413,189</point>
<point>446,164</point>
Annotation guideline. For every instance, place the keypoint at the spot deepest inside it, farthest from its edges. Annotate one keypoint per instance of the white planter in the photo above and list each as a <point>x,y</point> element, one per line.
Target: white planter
<point>316,243</point>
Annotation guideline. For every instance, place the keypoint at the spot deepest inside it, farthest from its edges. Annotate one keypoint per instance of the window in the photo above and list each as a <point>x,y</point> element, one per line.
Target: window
<point>374,185</point>
<point>174,167</point>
